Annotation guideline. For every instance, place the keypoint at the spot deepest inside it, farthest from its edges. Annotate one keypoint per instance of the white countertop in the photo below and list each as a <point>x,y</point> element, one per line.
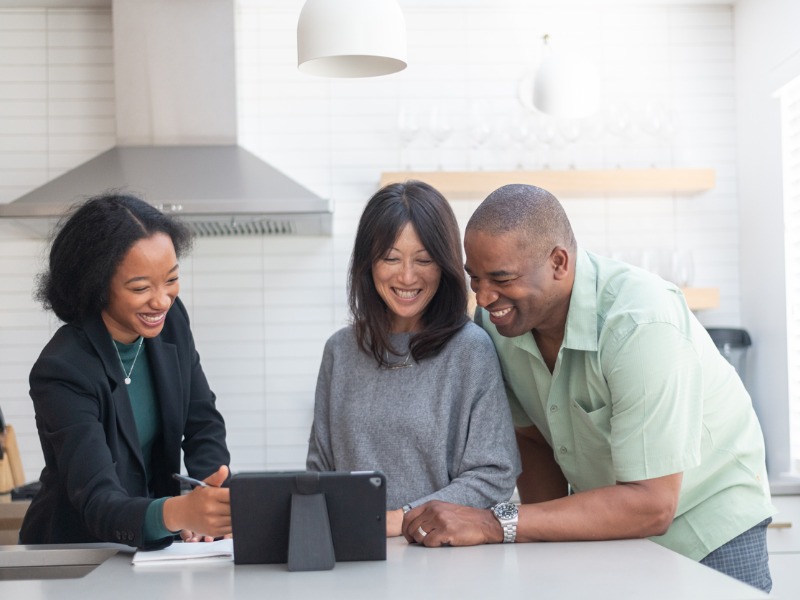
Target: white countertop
<point>614,570</point>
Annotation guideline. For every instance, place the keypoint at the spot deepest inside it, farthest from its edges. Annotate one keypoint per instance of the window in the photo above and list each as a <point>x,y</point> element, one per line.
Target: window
<point>790,116</point>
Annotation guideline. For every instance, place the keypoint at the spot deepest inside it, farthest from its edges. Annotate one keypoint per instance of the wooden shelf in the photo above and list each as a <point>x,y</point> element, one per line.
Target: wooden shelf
<point>701,298</point>
<point>696,298</point>
<point>476,185</point>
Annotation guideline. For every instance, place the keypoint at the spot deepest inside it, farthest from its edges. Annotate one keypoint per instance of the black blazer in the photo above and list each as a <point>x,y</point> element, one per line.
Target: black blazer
<point>93,484</point>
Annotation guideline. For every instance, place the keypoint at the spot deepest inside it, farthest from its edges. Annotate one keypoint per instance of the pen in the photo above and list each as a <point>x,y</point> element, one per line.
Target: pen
<point>189,480</point>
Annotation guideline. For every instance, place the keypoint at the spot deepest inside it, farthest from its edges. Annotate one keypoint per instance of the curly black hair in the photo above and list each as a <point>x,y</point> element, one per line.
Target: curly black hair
<point>88,245</point>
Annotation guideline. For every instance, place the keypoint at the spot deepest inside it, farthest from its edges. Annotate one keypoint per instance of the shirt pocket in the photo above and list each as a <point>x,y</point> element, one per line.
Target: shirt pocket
<point>592,430</point>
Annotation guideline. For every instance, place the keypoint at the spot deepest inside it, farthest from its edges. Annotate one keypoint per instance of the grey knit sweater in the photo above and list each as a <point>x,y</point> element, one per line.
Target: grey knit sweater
<point>439,429</point>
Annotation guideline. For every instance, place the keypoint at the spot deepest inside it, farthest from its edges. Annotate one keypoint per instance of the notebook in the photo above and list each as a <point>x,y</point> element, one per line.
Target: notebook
<point>179,552</point>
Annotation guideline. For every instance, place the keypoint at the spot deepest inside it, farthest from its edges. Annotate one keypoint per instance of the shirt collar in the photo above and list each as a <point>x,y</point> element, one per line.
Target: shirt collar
<point>581,329</point>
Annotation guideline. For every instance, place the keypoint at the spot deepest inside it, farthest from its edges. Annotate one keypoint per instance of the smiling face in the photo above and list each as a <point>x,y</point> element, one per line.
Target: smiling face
<point>406,279</point>
<point>142,290</point>
<point>521,292</point>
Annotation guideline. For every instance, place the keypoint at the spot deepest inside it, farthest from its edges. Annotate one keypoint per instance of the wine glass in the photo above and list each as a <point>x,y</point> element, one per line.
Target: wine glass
<point>519,130</point>
<point>407,130</point>
<point>653,119</point>
<point>441,127</point>
<point>480,130</point>
<point>546,134</point>
<point>682,268</point>
<point>618,125</point>
<point>570,131</point>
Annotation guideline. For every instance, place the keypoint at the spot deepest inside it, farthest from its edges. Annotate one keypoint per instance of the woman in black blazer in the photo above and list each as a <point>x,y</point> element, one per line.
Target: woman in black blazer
<point>119,390</point>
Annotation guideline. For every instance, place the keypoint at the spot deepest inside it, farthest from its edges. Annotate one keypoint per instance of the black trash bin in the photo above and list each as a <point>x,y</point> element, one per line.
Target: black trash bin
<point>733,345</point>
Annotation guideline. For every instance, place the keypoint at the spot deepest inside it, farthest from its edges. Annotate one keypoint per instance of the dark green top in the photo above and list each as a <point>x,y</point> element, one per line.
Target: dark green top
<point>144,403</point>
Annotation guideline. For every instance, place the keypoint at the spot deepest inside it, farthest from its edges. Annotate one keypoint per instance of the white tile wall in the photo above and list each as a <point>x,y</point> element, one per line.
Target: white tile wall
<point>262,308</point>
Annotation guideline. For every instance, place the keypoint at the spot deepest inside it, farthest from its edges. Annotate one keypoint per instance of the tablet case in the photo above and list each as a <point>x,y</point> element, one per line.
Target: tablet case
<point>268,509</point>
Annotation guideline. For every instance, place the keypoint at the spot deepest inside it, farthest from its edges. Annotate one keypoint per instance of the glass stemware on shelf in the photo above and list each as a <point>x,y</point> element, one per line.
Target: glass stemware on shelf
<point>682,268</point>
<point>490,133</point>
<point>407,130</point>
<point>520,132</point>
<point>545,130</point>
<point>440,127</point>
<point>619,128</point>
<point>570,132</point>
<point>659,123</point>
<point>480,131</point>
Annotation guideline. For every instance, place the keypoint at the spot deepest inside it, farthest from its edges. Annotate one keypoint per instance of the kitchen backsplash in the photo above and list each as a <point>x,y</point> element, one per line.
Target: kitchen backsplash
<point>262,308</point>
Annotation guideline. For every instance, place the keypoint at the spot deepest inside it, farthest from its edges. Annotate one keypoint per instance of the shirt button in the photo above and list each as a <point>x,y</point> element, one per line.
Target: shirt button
<point>563,449</point>
<point>553,409</point>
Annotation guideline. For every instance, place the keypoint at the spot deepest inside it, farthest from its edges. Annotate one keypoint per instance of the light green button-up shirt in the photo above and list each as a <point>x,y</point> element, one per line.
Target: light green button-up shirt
<point>640,391</point>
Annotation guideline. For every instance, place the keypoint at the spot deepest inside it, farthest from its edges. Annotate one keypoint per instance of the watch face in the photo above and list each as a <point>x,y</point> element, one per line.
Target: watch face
<point>505,510</point>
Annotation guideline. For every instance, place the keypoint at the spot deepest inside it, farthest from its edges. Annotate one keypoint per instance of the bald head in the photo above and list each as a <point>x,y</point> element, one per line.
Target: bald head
<point>527,210</point>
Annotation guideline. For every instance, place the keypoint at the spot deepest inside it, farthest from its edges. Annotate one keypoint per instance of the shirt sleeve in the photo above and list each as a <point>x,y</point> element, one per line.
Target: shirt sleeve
<point>319,443</point>
<point>154,528</point>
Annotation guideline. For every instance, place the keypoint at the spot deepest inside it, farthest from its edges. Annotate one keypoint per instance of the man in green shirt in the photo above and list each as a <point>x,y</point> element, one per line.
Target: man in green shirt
<point>618,395</point>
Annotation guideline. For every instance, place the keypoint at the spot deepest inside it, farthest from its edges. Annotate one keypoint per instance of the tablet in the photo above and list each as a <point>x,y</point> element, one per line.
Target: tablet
<point>309,511</point>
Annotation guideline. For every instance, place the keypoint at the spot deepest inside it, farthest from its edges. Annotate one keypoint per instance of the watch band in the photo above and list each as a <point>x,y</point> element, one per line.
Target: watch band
<point>507,515</point>
<point>509,532</point>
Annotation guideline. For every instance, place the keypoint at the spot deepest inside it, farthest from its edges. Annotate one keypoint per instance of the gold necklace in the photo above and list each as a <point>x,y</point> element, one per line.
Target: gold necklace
<point>133,364</point>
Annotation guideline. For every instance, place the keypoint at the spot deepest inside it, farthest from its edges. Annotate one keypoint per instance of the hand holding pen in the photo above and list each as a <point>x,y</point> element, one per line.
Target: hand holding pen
<point>204,513</point>
<point>190,480</point>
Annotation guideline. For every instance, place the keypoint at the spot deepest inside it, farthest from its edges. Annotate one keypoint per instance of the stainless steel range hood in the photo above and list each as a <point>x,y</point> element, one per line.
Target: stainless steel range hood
<point>216,189</point>
<point>176,133</point>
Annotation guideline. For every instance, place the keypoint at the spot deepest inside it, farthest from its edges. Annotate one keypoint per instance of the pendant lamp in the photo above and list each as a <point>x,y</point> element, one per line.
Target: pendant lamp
<point>565,85</point>
<point>351,38</point>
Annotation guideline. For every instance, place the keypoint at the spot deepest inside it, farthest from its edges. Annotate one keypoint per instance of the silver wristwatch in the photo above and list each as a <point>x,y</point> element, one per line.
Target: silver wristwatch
<point>507,514</point>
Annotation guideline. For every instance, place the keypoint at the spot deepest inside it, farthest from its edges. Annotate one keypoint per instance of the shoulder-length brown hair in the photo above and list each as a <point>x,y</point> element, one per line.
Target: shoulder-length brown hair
<point>385,215</point>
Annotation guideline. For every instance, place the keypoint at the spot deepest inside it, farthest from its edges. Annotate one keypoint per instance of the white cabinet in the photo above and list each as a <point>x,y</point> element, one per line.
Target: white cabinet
<point>785,571</point>
<point>783,542</point>
<point>783,534</point>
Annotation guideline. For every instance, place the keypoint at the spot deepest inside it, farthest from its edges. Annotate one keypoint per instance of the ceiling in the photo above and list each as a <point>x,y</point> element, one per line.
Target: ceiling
<point>54,3</point>
<point>403,3</point>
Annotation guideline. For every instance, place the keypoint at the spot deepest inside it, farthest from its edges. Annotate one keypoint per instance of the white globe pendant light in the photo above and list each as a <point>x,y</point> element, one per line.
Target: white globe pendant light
<point>566,85</point>
<point>351,38</point>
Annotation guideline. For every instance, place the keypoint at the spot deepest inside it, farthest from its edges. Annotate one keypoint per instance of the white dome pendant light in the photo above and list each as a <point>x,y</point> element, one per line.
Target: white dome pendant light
<point>566,85</point>
<point>351,38</point>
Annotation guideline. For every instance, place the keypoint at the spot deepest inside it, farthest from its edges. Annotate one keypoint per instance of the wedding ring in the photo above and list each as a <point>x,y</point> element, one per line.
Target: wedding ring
<point>421,531</point>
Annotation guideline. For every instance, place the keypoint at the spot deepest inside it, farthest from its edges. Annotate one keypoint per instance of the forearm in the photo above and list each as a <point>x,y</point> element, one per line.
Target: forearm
<point>173,514</point>
<point>622,511</point>
<point>394,522</point>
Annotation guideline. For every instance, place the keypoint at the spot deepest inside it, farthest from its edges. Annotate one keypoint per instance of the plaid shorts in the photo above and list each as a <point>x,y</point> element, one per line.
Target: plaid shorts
<point>745,557</point>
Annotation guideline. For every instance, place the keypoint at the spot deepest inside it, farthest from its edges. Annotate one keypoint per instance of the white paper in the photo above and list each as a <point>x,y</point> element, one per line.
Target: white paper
<point>221,550</point>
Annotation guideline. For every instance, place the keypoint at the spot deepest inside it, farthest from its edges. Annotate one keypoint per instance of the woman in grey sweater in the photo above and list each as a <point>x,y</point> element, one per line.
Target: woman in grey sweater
<point>413,388</point>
